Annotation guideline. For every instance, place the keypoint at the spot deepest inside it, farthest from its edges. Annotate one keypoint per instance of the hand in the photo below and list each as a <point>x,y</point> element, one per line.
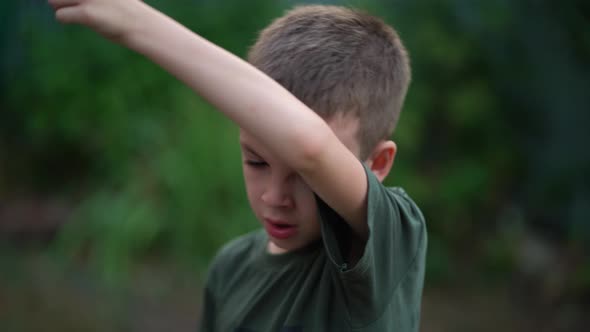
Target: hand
<point>113,19</point>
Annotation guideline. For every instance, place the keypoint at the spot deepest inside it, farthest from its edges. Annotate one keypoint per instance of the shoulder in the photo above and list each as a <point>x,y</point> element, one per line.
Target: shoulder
<point>392,202</point>
<point>398,234</point>
<point>404,201</point>
<point>237,251</point>
<point>395,214</point>
<point>381,196</point>
<point>231,262</point>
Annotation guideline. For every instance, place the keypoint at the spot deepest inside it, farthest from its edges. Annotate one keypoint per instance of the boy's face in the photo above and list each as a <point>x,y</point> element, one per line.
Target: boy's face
<point>280,199</point>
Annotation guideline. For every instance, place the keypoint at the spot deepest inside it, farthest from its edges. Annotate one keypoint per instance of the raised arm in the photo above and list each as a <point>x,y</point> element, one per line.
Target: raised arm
<point>255,102</point>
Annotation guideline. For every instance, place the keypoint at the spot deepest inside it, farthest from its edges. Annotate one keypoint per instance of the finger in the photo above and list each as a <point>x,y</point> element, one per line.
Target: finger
<point>73,14</point>
<point>56,4</point>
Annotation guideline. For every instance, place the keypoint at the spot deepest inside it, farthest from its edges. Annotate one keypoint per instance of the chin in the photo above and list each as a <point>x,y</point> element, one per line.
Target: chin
<point>279,247</point>
<point>275,248</point>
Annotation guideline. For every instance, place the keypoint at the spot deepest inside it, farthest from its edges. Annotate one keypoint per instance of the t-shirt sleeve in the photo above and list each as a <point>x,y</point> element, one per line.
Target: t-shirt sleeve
<point>395,245</point>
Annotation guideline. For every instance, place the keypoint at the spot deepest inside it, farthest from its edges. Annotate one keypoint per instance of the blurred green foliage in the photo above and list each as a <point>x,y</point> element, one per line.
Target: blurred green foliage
<point>495,122</point>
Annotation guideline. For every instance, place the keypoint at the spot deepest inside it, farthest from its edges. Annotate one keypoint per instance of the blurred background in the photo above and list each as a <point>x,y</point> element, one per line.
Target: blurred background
<point>118,184</point>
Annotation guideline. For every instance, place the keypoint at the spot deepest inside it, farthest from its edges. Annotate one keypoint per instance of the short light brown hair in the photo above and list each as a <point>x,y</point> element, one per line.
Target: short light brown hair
<point>338,60</point>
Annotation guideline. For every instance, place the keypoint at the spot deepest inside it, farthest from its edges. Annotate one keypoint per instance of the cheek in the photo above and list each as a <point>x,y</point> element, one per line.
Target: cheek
<point>254,182</point>
<point>305,199</point>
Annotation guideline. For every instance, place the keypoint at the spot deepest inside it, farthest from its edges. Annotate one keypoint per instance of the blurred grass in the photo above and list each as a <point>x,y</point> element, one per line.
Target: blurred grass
<point>40,294</point>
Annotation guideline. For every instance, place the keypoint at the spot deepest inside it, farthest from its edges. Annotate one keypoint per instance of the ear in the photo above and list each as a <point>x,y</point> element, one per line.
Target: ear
<point>381,159</point>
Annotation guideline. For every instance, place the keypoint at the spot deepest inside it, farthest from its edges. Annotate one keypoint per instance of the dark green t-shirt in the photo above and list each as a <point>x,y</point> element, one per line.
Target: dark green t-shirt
<point>315,288</point>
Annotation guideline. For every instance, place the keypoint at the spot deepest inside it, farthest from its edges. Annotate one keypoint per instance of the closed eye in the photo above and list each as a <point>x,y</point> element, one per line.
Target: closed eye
<point>256,163</point>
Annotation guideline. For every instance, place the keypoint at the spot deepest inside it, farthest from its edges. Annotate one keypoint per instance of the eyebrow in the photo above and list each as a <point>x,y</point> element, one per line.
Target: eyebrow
<point>250,150</point>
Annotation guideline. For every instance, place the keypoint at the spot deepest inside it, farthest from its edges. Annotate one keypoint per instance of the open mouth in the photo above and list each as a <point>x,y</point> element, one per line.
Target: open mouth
<point>279,230</point>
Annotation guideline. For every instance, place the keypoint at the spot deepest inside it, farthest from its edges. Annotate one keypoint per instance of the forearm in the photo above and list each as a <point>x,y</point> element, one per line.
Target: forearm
<point>255,102</point>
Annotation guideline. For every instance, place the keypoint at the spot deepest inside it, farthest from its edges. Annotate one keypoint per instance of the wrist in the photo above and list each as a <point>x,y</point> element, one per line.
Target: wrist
<point>140,20</point>
<point>145,29</point>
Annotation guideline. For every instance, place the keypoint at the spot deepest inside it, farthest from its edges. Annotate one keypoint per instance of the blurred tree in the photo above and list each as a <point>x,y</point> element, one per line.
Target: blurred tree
<point>492,134</point>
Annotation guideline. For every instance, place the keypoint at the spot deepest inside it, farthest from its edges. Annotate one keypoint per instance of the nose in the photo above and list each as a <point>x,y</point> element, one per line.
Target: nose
<point>279,192</point>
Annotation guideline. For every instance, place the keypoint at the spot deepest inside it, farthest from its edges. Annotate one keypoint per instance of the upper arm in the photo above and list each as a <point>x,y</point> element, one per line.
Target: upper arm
<point>391,268</point>
<point>338,177</point>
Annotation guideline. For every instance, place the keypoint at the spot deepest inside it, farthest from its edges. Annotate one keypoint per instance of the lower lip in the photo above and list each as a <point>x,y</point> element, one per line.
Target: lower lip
<point>279,232</point>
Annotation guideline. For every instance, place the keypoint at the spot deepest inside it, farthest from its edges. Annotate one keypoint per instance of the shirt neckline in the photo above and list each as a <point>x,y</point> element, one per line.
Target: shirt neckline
<point>288,258</point>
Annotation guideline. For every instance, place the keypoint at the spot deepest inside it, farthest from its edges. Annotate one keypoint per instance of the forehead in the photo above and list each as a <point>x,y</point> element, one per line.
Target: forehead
<point>345,127</point>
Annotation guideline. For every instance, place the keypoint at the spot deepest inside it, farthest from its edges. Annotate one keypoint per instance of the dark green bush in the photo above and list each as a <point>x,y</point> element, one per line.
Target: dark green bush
<point>494,121</point>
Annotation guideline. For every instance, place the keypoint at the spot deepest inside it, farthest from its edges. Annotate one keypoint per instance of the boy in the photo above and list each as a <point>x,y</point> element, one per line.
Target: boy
<point>339,251</point>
